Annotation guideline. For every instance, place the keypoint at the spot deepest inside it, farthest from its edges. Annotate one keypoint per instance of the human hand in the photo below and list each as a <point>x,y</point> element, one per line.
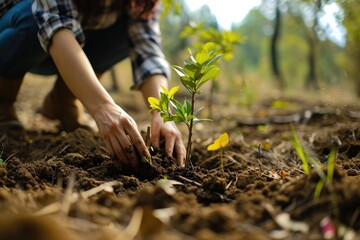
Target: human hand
<point>172,135</point>
<point>121,135</point>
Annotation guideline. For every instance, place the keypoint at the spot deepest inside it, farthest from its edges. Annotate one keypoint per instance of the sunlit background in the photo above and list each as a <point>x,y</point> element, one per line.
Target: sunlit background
<point>314,48</point>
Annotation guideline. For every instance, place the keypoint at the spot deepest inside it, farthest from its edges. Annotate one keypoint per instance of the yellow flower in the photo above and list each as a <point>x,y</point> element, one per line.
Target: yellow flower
<point>220,142</point>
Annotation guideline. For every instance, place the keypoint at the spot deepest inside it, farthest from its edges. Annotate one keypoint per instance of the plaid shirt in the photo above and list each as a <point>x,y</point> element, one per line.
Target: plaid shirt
<point>145,39</point>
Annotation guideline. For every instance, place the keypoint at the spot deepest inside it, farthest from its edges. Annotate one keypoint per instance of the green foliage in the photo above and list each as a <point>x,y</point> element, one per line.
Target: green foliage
<point>172,110</point>
<point>198,69</point>
<point>224,40</point>
<point>171,7</point>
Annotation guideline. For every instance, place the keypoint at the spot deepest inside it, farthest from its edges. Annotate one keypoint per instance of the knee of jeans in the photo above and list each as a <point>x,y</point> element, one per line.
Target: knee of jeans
<point>24,21</point>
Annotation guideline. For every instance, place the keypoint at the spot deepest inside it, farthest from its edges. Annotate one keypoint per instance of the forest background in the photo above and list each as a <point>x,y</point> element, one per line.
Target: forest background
<point>286,48</point>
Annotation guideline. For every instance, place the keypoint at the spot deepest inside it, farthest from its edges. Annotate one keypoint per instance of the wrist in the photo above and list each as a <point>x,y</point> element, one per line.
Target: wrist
<point>97,111</point>
<point>155,114</point>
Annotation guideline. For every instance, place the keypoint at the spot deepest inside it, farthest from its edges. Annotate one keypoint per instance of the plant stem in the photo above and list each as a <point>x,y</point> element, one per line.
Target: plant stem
<point>190,127</point>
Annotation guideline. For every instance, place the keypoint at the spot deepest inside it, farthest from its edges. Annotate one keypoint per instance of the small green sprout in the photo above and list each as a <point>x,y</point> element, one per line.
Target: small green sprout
<point>199,69</point>
<point>3,161</point>
<point>326,179</point>
<point>300,152</point>
<point>220,143</point>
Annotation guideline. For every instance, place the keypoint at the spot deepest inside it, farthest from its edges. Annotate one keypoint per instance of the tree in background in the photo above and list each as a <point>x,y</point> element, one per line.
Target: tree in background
<point>300,62</point>
<point>351,21</point>
<point>274,53</point>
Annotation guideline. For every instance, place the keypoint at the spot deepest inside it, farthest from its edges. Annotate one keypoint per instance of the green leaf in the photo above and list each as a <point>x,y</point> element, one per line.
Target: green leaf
<point>213,60</point>
<point>165,116</point>
<point>188,107</point>
<point>197,120</point>
<point>299,150</point>
<point>179,70</point>
<point>172,92</point>
<point>209,46</point>
<point>176,103</point>
<point>154,103</point>
<point>212,73</point>
<point>202,56</point>
<point>164,102</point>
<point>190,85</point>
<point>178,119</point>
<point>191,69</point>
<point>192,57</point>
<point>330,165</point>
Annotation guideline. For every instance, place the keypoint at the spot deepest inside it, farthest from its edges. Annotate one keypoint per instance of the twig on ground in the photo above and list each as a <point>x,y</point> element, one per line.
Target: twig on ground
<point>189,181</point>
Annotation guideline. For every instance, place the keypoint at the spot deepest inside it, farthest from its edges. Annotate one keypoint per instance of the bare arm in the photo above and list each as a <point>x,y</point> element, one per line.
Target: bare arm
<point>116,127</point>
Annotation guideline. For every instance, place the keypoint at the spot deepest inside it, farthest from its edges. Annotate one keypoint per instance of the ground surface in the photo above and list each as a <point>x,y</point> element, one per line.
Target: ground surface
<point>50,180</point>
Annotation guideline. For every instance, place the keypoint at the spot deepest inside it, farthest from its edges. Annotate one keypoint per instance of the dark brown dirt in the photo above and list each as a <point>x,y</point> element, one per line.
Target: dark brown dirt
<point>47,178</point>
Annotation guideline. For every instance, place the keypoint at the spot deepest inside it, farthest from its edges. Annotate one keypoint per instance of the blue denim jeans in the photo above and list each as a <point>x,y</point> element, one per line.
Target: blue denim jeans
<point>20,50</point>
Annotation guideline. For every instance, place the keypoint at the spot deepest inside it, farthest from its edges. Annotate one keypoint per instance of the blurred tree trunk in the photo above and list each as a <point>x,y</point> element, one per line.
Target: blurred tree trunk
<point>274,48</point>
<point>312,82</point>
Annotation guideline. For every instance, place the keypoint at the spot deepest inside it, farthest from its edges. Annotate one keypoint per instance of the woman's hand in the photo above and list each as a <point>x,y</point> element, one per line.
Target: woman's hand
<point>172,136</point>
<point>151,87</point>
<point>116,127</point>
<point>121,136</point>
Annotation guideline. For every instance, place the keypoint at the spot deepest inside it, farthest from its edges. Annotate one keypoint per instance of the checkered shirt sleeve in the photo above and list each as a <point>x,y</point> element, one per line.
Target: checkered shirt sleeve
<point>146,55</point>
<point>53,15</point>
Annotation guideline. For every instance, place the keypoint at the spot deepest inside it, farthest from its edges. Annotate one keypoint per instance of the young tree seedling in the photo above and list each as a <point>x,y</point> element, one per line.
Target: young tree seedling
<point>198,69</point>
<point>220,143</point>
<point>224,42</point>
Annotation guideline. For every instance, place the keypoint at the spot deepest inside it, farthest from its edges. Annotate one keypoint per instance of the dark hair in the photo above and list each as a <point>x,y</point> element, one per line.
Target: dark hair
<point>138,8</point>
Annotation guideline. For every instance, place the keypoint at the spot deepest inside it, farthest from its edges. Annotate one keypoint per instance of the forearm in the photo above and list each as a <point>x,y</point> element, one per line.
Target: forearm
<point>77,71</point>
<point>152,87</point>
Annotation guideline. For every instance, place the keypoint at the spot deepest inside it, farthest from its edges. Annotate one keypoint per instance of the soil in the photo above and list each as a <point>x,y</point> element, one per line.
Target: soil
<point>58,185</point>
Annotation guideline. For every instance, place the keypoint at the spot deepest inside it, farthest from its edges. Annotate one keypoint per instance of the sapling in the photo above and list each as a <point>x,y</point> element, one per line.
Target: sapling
<point>224,42</point>
<point>220,143</point>
<point>198,69</point>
